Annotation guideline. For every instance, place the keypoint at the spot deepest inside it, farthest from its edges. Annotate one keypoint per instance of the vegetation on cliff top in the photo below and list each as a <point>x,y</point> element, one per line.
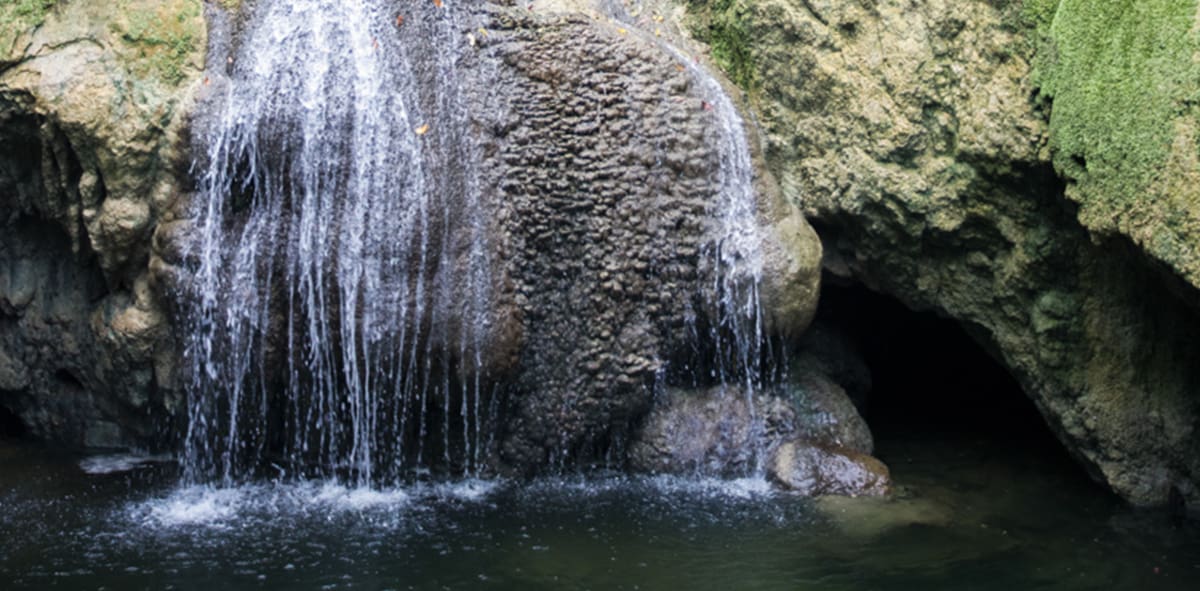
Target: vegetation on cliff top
<point>1124,80</point>
<point>164,38</point>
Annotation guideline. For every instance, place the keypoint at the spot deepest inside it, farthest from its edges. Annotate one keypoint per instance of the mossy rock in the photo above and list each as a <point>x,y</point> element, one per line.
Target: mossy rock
<point>18,17</point>
<point>1123,79</point>
<point>163,40</point>
<point>722,24</point>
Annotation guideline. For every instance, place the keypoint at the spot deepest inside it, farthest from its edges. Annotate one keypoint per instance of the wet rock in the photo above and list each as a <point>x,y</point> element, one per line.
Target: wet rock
<point>606,147</point>
<point>816,470</point>
<point>825,413</point>
<point>719,431</point>
<point>724,431</point>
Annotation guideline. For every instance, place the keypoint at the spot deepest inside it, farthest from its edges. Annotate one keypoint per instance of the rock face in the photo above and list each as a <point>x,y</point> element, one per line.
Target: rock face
<point>912,137</point>
<point>601,173</point>
<point>608,174</point>
<point>92,102</point>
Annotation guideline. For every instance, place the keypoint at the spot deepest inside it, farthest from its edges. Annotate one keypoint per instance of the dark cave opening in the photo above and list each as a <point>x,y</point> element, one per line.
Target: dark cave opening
<point>932,382</point>
<point>11,426</point>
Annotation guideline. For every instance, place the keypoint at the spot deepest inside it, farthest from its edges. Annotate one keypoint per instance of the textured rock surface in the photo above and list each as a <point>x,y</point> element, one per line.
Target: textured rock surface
<point>719,431</point>
<point>607,158</point>
<point>816,470</point>
<point>911,136</point>
<point>92,99</point>
<point>600,173</point>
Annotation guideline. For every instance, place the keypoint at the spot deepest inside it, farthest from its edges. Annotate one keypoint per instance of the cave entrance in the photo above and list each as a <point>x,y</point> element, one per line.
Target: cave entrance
<point>11,426</point>
<point>934,386</point>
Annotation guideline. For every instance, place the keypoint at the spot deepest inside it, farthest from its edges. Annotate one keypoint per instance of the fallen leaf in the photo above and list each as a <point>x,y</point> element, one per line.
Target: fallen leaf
<point>657,32</point>
<point>437,3</point>
<point>207,81</point>
<point>622,31</point>
<point>399,20</point>
<point>422,130</point>
<point>680,67</point>
<point>483,31</point>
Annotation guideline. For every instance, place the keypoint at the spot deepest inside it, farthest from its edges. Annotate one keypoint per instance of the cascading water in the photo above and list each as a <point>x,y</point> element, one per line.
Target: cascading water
<point>734,343</point>
<point>339,304</point>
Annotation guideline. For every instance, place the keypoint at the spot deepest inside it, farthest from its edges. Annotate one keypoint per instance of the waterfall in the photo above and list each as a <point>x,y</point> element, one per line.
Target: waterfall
<point>343,300</point>
<point>329,316</point>
<point>732,260</point>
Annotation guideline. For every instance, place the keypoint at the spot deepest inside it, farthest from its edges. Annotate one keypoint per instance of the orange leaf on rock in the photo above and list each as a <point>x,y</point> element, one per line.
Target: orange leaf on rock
<point>399,20</point>
<point>437,3</point>
<point>422,130</point>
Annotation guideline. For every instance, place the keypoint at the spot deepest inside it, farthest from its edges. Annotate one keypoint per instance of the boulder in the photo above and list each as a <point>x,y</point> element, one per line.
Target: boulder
<point>815,470</point>
<point>824,412</point>
<point>720,431</point>
<point>805,434</point>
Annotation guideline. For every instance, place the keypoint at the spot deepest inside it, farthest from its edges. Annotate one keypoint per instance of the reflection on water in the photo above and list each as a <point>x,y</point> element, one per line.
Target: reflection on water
<point>968,515</point>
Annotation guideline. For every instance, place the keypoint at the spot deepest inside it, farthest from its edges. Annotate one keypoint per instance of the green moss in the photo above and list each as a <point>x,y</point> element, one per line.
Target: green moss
<point>722,25</point>
<point>17,16</point>
<point>1119,73</point>
<point>164,39</point>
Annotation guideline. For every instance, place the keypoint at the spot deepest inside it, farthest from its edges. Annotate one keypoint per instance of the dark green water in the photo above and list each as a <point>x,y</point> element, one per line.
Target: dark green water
<point>971,516</point>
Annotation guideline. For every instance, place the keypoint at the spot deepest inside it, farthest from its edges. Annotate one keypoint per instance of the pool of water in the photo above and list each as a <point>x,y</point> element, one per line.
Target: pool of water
<point>968,515</point>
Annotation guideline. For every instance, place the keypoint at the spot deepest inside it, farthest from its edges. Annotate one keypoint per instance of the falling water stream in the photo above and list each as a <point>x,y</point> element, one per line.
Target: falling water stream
<point>338,190</point>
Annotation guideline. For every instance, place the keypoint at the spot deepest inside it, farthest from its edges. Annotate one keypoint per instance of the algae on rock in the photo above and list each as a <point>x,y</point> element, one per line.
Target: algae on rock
<point>1124,80</point>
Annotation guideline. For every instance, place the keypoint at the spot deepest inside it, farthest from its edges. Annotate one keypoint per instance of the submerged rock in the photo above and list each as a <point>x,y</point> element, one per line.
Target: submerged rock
<point>816,470</point>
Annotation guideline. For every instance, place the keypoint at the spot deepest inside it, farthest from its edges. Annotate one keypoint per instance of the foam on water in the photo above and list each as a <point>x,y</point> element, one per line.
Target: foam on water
<point>245,505</point>
<point>114,463</point>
